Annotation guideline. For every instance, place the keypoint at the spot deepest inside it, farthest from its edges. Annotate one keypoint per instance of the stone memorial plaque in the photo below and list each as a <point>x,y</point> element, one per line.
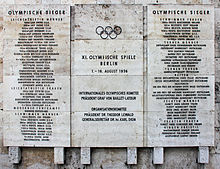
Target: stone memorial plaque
<point>98,57</point>
<point>101,93</point>
<point>37,75</point>
<point>107,76</point>
<point>181,75</point>
<point>88,17</point>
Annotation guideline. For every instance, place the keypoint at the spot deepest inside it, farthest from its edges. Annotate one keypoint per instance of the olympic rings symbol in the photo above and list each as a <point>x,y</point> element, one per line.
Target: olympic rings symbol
<point>108,31</point>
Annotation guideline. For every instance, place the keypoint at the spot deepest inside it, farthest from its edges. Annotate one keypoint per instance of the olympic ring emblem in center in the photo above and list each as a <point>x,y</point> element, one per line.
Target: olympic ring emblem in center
<point>108,31</point>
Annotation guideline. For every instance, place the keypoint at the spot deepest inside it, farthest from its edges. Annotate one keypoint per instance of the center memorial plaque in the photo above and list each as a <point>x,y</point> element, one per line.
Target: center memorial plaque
<point>107,76</point>
<point>181,75</point>
<point>37,75</point>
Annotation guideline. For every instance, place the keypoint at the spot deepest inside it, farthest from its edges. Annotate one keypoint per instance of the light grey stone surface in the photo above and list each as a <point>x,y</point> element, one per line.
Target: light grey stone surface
<point>107,95</point>
<point>189,12</point>
<point>27,1</point>
<point>85,155</point>
<point>4,162</point>
<point>89,17</point>
<point>203,155</point>
<point>108,133</point>
<point>118,91</point>
<point>169,83</point>
<point>6,2</point>
<point>128,1</point>
<point>148,2</point>
<point>216,148</point>
<point>189,1</point>
<point>132,155</point>
<point>14,155</point>
<point>213,162</point>
<point>60,135</point>
<point>117,129</point>
<point>59,155</point>
<point>108,1</point>
<point>127,57</point>
<point>158,155</point>
<point>204,56</point>
<point>175,158</point>
<point>37,53</point>
<point>51,1</point>
<point>73,2</point>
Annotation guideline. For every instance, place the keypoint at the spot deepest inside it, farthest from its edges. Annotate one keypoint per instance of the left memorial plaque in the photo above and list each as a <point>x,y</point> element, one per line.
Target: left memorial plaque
<point>37,75</point>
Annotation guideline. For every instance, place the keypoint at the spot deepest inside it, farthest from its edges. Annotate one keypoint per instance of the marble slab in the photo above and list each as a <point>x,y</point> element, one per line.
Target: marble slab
<point>181,57</point>
<point>180,133</point>
<point>58,63</point>
<point>36,129</point>
<point>55,97</point>
<point>107,58</point>
<point>37,75</point>
<point>180,22</point>
<point>107,129</point>
<point>181,94</point>
<point>180,89</point>
<point>107,68</point>
<point>91,20</point>
<point>124,93</point>
<point>55,18</point>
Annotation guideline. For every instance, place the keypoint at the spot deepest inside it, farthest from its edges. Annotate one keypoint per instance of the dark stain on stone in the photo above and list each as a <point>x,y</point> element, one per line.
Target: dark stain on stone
<point>106,18</point>
<point>106,6</point>
<point>117,29</point>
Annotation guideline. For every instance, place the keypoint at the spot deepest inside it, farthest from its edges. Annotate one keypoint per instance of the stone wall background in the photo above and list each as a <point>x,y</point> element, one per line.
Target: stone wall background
<point>107,158</point>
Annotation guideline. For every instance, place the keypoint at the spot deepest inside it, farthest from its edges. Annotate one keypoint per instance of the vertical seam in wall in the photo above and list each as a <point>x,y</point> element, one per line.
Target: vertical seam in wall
<point>144,77</point>
<point>1,71</point>
<point>71,15</point>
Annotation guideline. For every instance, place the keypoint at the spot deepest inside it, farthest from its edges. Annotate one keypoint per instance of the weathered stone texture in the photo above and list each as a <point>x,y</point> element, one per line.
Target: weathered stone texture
<point>1,71</point>
<point>72,2</point>
<point>14,155</point>
<point>72,159</point>
<point>213,162</point>
<point>4,162</point>
<point>147,2</point>
<point>85,155</point>
<point>189,1</point>
<point>33,158</point>
<point>59,155</point>
<point>108,1</point>
<point>4,2</point>
<point>51,1</point>
<point>28,1</point>
<point>128,1</point>
<point>132,155</point>
<point>174,158</point>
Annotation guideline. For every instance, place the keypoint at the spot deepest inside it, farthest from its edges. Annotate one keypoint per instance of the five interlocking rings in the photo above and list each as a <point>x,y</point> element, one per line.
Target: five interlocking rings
<point>108,32</point>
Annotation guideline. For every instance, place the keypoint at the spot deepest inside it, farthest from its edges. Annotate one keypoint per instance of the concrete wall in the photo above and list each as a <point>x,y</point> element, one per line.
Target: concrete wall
<point>175,158</point>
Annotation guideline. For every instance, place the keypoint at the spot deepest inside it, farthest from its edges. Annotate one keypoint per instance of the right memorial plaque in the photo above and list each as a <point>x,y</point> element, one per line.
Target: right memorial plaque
<point>180,75</point>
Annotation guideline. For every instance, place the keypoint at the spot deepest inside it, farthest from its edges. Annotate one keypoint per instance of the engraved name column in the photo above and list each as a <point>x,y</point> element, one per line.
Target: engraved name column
<point>181,75</point>
<point>37,76</point>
